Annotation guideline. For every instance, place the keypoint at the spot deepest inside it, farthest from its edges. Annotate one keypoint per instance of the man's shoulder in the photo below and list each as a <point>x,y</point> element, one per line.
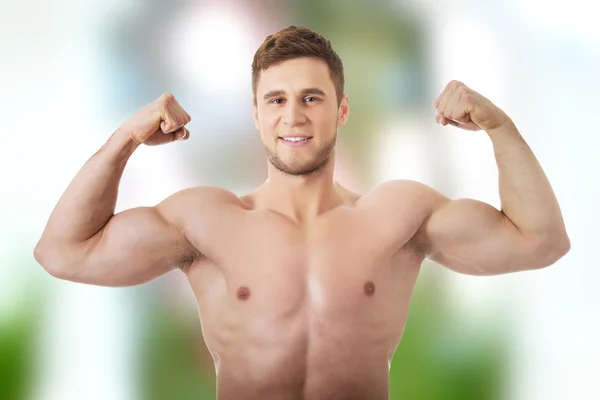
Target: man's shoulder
<point>405,197</point>
<point>203,197</point>
<point>403,184</point>
<point>399,189</point>
<point>214,193</point>
<point>412,202</point>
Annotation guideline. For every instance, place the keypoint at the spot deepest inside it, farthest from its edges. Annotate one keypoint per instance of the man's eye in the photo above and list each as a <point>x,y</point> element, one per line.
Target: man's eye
<point>310,99</point>
<point>277,101</point>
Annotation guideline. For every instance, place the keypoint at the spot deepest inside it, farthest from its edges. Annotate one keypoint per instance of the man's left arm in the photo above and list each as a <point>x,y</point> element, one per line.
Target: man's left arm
<point>475,238</point>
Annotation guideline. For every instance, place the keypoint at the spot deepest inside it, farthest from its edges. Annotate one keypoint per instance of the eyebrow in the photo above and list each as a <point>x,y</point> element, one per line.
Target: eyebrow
<point>304,92</point>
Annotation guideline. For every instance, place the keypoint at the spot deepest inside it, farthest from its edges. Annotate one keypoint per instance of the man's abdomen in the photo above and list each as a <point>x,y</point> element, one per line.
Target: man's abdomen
<point>333,379</point>
<point>312,364</point>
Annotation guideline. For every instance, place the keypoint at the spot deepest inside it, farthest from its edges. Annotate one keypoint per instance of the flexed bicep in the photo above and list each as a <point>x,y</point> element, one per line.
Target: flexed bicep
<point>134,247</point>
<point>475,238</point>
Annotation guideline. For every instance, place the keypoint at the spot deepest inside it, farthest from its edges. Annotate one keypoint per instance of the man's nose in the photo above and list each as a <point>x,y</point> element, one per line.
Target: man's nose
<point>293,114</point>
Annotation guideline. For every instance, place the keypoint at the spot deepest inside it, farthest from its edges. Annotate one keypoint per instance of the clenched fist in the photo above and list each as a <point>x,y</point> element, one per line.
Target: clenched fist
<point>162,121</point>
<point>460,106</point>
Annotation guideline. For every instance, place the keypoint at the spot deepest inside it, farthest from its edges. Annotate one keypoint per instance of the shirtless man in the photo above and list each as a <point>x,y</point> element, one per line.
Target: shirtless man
<point>303,287</point>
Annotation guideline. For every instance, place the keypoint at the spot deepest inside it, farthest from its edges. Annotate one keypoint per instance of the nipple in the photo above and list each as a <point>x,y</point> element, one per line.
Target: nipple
<point>369,288</point>
<point>243,293</point>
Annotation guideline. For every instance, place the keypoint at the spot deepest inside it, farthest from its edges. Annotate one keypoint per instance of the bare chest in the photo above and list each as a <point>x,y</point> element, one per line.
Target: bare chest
<point>340,272</point>
<point>276,302</point>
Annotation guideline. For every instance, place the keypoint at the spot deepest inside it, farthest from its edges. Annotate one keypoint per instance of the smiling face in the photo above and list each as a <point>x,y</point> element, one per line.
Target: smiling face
<point>296,99</point>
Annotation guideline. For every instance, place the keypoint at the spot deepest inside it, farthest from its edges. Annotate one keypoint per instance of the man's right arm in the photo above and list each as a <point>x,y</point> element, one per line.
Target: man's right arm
<point>84,241</point>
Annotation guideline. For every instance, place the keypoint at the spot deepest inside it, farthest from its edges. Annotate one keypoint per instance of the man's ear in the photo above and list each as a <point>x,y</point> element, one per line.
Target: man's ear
<point>343,111</point>
<point>255,115</point>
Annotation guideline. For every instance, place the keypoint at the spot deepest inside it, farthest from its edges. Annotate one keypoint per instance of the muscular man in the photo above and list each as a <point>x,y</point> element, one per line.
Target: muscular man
<point>303,287</point>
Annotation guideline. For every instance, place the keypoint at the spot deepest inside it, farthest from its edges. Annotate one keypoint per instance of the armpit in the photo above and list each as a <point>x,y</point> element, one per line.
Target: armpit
<point>418,244</point>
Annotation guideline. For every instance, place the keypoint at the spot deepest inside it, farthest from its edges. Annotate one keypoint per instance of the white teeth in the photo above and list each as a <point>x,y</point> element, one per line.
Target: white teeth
<point>295,139</point>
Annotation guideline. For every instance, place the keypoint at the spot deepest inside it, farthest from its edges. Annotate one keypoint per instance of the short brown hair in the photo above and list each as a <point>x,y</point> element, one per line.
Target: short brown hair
<point>294,42</point>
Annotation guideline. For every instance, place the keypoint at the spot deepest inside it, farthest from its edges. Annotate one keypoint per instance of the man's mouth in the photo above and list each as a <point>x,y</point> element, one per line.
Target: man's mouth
<point>295,138</point>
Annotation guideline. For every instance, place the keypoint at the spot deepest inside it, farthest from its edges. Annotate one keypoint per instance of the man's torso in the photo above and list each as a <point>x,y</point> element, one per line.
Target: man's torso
<point>313,312</point>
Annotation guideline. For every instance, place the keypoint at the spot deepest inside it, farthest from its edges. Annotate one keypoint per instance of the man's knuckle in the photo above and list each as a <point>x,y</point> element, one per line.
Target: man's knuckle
<point>167,98</point>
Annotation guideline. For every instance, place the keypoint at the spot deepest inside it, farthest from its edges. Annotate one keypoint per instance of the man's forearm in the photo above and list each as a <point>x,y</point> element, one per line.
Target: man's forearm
<point>89,201</point>
<point>526,194</point>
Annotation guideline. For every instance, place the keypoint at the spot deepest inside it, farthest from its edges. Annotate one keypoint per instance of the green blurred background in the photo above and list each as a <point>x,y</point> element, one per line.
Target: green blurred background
<point>71,72</point>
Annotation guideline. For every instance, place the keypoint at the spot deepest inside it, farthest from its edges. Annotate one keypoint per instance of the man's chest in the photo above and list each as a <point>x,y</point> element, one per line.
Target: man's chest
<point>340,269</point>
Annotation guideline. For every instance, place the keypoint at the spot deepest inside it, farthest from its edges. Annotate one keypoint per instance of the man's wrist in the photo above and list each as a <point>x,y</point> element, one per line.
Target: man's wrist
<point>122,143</point>
<point>508,127</point>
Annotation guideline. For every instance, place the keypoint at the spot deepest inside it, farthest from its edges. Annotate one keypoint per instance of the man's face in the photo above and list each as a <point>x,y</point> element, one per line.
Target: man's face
<point>297,99</point>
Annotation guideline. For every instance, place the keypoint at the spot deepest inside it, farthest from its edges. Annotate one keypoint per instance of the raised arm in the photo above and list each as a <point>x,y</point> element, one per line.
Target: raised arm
<point>84,241</point>
<point>134,247</point>
<point>473,237</point>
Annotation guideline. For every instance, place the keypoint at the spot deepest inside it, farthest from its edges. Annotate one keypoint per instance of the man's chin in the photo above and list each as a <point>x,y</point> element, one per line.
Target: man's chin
<point>305,169</point>
<point>296,167</point>
<point>296,171</point>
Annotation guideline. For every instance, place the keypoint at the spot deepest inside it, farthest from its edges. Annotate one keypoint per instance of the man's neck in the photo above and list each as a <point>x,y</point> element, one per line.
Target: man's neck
<point>301,198</point>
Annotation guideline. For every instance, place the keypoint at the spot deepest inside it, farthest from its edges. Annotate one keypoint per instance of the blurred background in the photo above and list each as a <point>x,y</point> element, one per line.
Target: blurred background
<point>71,72</point>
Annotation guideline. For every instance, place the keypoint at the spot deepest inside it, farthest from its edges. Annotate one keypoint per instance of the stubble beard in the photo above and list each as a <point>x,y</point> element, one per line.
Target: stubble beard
<point>298,168</point>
